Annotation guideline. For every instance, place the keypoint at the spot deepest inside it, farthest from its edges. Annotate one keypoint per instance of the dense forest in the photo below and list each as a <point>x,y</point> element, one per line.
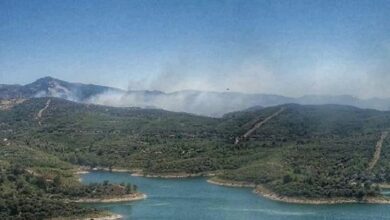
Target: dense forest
<point>37,185</point>
<point>305,151</point>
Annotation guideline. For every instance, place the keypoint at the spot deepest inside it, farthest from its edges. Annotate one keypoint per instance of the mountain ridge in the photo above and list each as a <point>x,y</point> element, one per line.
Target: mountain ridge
<point>208,103</point>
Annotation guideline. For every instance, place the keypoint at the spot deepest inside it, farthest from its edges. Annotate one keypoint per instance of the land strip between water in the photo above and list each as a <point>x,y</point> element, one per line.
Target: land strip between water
<point>266,193</point>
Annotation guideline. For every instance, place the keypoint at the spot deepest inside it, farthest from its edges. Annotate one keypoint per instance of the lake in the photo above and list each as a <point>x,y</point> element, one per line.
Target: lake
<point>195,199</point>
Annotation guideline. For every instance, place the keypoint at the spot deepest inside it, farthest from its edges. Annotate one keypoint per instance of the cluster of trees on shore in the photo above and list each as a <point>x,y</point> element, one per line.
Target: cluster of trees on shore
<point>35,185</point>
<point>22,197</point>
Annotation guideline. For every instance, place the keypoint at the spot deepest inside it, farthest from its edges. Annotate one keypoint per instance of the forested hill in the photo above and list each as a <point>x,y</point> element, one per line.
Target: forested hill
<point>304,151</point>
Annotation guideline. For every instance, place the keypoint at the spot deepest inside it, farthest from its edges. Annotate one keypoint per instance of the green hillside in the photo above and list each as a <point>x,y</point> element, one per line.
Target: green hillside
<point>305,151</point>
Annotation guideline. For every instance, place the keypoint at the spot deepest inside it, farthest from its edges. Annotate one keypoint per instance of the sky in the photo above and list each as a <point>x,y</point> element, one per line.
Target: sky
<point>289,47</point>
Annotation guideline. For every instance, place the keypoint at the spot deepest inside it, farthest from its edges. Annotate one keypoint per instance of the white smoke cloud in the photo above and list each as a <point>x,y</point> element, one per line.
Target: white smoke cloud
<point>331,74</point>
<point>56,90</point>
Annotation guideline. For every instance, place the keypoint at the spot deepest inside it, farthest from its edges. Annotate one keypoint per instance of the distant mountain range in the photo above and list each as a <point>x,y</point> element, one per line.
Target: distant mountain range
<point>196,102</point>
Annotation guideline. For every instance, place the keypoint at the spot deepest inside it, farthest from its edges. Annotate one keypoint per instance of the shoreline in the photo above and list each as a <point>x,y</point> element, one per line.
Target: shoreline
<point>221,182</point>
<point>100,216</point>
<point>140,173</point>
<point>126,198</point>
<point>108,217</point>
<point>173,175</point>
<point>384,186</point>
<point>268,194</point>
<point>86,169</point>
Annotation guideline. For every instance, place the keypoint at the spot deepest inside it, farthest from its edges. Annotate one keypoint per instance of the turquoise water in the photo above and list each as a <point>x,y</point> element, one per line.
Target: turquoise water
<point>195,199</point>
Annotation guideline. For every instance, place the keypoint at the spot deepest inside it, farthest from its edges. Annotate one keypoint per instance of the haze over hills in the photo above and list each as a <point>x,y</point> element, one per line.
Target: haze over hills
<point>191,101</point>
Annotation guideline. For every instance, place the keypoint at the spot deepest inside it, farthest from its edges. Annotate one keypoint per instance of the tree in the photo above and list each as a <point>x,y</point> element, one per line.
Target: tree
<point>129,188</point>
<point>57,181</point>
<point>286,179</point>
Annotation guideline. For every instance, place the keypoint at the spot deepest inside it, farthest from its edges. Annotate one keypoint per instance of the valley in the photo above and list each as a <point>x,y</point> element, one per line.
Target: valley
<point>308,153</point>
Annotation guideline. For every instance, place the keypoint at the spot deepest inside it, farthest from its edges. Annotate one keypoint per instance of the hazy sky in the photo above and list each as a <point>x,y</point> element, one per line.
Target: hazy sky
<point>282,47</point>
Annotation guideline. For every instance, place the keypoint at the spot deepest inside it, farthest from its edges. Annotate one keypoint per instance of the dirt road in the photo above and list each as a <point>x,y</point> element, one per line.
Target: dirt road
<point>40,113</point>
<point>378,150</point>
<point>257,125</point>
